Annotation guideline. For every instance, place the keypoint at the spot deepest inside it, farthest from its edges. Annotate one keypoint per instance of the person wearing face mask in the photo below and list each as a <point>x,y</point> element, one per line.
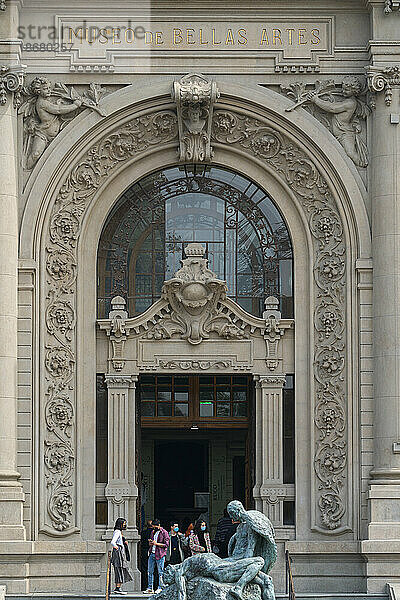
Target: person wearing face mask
<point>120,557</point>
<point>199,540</point>
<point>177,542</point>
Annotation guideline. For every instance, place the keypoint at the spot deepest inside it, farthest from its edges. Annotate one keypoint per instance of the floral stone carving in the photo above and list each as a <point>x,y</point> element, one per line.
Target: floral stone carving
<point>11,81</point>
<point>341,111</point>
<point>297,170</point>
<point>194,295</point>
<point>58,438</point>
<point>195,96</point>
<point>382,79</point>
<point>307,183</point>
<point>47,109</point>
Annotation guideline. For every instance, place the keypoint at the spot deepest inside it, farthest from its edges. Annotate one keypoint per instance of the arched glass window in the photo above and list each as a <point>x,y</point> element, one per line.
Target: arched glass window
<point>246,239</point>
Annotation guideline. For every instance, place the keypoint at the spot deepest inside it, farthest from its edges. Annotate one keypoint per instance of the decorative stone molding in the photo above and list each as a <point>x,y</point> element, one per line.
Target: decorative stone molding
<point>381,79</point>
<point>194,295</point>
<point>340,110</point>
<point>258,138</point>
<point>272,331</point>
<point>46,111</point>
<point>118,331</point>
<point>195,96</point>
<point>273,495</point>
<point>273,381</point>
<point>118,381</point>
<point>391,5</point>
<point>187,365</point>
<point>304,178</point>
<point>3,5</point>
<point>11,81</point>
<point>59,356</point>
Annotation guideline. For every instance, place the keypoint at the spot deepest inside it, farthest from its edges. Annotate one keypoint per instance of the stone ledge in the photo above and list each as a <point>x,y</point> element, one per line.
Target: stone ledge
<point>24,548</point>
<point>326,548</point>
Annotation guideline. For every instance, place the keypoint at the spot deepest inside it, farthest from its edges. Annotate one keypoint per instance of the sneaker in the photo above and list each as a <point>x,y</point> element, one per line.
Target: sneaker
<point>148,591</point>
<point>120,592</point>
<point>158,591</point>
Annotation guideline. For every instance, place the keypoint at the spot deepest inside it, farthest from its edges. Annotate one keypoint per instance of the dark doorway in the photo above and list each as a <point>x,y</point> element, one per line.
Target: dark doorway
<point>181,470</point>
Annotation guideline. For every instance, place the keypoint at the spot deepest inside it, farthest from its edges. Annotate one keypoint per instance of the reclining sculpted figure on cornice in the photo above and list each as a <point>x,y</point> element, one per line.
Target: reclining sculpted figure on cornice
<point>47,109</point>
<point>340,110</point>
<point>194,295</point>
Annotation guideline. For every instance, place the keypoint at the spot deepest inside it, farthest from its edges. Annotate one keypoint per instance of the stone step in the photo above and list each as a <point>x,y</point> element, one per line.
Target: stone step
<point>140,596</point>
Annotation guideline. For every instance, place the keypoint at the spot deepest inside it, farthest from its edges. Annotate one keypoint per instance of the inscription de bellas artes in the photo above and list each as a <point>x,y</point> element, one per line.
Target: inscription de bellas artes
<point>295,39</point>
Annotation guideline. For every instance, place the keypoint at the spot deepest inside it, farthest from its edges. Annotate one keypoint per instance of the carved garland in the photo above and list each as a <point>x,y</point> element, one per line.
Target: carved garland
<point>313,193</point>
<point>76,193</point>
<point>59,359</point>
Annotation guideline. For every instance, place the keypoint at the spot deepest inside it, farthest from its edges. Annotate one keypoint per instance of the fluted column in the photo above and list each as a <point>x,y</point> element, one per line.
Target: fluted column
<point>11,494</point>
<point>269,491</point>
<point>385,149</point>
<point>121,490</point>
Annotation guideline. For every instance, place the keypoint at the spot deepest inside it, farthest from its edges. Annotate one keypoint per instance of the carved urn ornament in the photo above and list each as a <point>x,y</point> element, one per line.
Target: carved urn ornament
<point>195,96</point>
<point>194,294</point>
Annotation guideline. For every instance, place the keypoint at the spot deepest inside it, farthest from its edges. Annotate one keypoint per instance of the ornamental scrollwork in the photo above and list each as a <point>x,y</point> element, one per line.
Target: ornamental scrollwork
<point>11,81</point>
<point>59,358</point>
<point>195,296</point>
<point>390,6</point>
<point>203,365</point>
<point>382,79</point>
<point>195,97</point>
<point>314,195</point>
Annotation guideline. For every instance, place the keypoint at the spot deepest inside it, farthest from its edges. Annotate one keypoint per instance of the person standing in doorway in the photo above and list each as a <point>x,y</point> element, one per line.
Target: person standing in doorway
<point>144,551</point>
<point>119,557</point>
<point>158,542</point>
<point>199,539</point>
<point>177,542</point>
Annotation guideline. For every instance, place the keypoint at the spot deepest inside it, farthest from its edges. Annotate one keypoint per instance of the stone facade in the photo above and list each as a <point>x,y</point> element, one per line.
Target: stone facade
<point>307,106</point>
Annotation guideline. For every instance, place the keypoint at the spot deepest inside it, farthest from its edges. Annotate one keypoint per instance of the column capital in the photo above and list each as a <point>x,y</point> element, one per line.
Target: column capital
<point>382,79</point>
<point>120,381</point>
<point>11,81</point>
<point>390,6</point>
<point>270,381</point>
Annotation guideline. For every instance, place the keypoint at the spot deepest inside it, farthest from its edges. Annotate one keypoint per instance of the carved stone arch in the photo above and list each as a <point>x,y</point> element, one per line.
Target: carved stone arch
<point>259,134</point>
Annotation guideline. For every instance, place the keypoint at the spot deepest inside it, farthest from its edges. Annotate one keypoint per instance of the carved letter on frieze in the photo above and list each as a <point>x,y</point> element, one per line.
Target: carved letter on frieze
<point>194,295</point>
<point>2,4</point>
<point>195,96</point>
<point>382,80</point>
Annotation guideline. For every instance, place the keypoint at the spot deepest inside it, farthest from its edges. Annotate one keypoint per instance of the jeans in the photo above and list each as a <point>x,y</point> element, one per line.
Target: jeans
<point>150,568</point>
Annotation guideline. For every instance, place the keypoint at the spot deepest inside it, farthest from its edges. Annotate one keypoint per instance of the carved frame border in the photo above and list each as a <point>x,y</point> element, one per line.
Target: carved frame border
<point>260,139</point>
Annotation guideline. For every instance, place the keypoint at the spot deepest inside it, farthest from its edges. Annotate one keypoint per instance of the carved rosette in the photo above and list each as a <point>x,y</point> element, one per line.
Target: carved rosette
<point>11,81</point>
<point>59,358</point>
<point>195,96</point>
<point>382,79</point>
<point>305,180</point>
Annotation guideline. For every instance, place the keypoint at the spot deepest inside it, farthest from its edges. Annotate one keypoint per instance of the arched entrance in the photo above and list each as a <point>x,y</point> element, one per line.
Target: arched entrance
<point>211,415</point>
<point>328,226</point>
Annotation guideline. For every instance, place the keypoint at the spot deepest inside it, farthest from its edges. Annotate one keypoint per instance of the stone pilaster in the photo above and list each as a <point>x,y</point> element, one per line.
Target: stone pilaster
<point>384,494</point>
<point>121,490</point>
<point>11,494</point>
<point>269,491</point>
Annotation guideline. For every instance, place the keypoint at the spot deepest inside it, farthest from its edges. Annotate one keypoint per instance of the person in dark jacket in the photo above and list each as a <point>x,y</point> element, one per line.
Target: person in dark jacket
<point>226,528</point>
<point>144,551</point>
<point>177,543</point>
